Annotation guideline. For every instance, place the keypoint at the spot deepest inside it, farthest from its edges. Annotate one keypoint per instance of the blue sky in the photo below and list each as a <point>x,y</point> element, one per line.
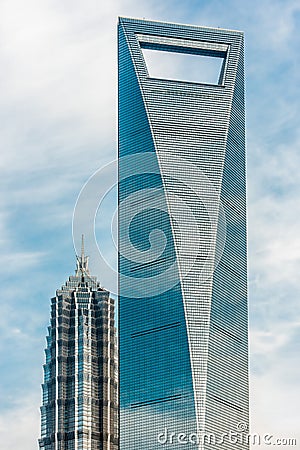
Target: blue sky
<point>58,125</point>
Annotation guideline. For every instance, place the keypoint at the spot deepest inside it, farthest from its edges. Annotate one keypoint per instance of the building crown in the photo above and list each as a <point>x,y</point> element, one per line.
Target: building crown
<point>82,263</point>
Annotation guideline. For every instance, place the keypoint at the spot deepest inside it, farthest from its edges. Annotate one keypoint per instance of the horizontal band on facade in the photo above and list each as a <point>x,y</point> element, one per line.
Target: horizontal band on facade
<point>157,400</point>
<point>226,403</point>
<point>149,264</point>
<point>227,333</point>
<point>156,329</point>
<point>229,269</point>
<point>198,46</point>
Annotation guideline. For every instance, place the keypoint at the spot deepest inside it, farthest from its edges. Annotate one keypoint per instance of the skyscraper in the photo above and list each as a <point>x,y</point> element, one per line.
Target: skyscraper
<point>183,240</point>
<point>80,392</point>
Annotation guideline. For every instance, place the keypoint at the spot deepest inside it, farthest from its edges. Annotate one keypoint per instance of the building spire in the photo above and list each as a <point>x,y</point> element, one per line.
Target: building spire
<point>82,247</point>
<point>82,261</point>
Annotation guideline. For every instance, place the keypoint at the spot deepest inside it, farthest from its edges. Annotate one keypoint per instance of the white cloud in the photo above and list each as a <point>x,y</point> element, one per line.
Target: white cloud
<point>53,77</point>
<point>19,261</point>
<point>19,426</point>
<point>274,408</point>
<point>263,342</point>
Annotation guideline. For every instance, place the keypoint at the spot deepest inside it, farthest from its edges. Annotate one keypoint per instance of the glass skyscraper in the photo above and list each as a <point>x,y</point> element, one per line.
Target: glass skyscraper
<point>80,389</point>
<point>183,241</point>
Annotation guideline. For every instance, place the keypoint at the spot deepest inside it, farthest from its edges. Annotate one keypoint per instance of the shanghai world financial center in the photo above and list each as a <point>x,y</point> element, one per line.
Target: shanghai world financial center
<point>183,310</point>
<point>183,248</point>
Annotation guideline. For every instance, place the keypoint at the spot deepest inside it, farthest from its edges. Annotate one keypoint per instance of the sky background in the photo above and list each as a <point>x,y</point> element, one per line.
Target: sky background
<point>58,92</point>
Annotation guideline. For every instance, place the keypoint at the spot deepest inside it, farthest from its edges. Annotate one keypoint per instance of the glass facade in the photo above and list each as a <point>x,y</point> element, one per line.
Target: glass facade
<point>80,390</point>
<point>183,311</point>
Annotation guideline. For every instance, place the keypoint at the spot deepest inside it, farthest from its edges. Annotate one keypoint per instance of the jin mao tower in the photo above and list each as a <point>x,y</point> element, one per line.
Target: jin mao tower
<point>80,389</point>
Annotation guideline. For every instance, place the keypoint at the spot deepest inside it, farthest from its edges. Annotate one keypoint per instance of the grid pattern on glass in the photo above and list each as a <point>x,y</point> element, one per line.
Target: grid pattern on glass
<point>186,365</point>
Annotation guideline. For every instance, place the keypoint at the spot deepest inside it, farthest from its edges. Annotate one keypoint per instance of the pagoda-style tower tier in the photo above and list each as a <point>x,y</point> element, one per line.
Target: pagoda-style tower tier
<point>80,389</point>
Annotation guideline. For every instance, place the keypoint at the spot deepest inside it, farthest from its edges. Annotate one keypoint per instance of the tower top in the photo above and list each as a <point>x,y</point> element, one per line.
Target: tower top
<point>82,264</point>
